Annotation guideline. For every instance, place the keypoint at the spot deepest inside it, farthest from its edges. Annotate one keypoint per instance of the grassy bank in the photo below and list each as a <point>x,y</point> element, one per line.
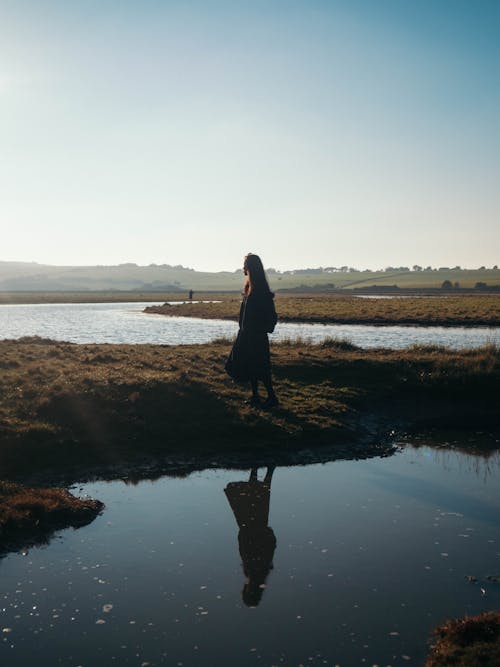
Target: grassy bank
<point>465,310</point>
<point>101,296</point>
<point>68,408</point>
<point>468,642</point>
<point>30,516</point>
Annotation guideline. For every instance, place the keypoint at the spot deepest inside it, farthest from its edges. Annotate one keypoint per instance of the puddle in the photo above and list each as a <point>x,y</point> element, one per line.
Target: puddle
<point>348,562</point>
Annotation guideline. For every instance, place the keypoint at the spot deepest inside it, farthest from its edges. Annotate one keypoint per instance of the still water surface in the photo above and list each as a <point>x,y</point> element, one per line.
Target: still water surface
<point>347,563</point>
<point>126,323</point>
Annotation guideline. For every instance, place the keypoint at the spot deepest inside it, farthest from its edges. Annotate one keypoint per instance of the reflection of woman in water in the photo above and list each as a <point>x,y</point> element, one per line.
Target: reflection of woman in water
<point>250,504</point>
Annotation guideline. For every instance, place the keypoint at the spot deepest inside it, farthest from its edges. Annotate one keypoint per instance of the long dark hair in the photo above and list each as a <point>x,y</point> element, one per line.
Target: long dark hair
<point>256,281</point>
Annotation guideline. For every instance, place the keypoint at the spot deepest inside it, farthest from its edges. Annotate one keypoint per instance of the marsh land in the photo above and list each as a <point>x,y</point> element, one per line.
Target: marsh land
<point>72,408</point>
<point>134,413</point>
<point>465,310</point>
<point>436,310</point>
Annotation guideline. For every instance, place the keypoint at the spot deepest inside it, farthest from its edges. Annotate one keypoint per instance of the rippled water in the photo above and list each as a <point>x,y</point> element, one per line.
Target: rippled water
<point>346,563</point>
<point>126,323</point>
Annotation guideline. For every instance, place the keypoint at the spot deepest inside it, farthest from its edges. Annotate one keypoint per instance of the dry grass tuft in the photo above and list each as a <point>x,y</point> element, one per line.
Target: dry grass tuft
<point>30,516</point>
<point>21,506</point>
<point>473,641</point>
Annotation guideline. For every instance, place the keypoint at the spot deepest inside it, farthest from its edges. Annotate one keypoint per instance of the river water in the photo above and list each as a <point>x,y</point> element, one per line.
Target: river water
<point>126,323</point>
<point>345,563</point>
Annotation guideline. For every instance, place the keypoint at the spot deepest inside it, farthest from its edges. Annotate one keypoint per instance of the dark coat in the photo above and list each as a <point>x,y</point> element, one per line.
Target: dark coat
<point>249,359</point>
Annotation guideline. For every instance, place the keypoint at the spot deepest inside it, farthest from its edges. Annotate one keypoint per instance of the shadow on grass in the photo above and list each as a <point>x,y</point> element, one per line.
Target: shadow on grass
<point>123,426</point>
<point>361,373</point>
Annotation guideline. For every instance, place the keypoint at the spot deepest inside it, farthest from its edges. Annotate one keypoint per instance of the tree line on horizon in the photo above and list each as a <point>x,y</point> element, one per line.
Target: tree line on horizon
<point>270,270</point>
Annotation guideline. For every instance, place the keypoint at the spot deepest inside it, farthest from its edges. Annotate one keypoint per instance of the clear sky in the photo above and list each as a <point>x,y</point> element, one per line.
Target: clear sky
<point>313,133</point>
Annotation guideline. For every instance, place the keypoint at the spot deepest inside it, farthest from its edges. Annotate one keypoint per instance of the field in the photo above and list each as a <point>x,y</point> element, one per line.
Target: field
<point>25,277</point>
<point>70,409</point>
<point>333,309</point>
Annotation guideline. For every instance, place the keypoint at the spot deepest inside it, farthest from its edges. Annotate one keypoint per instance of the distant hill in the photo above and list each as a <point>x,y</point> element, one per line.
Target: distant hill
<point>33,277</point>
<point>19,276</point>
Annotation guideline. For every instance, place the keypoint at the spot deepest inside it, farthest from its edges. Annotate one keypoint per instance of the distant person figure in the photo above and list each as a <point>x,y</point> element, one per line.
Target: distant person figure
<point>257,542</point>
<point>191,294</point>
<point>249,359</point>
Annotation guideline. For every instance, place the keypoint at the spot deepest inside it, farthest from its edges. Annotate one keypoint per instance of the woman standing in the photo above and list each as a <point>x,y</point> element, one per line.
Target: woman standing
<point>249,359</point>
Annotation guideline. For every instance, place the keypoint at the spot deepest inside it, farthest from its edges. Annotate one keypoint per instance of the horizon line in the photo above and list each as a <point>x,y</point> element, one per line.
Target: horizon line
<point>344,268</point>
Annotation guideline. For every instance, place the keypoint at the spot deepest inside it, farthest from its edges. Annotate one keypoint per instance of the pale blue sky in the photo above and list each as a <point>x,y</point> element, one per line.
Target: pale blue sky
<point>313,133</point>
